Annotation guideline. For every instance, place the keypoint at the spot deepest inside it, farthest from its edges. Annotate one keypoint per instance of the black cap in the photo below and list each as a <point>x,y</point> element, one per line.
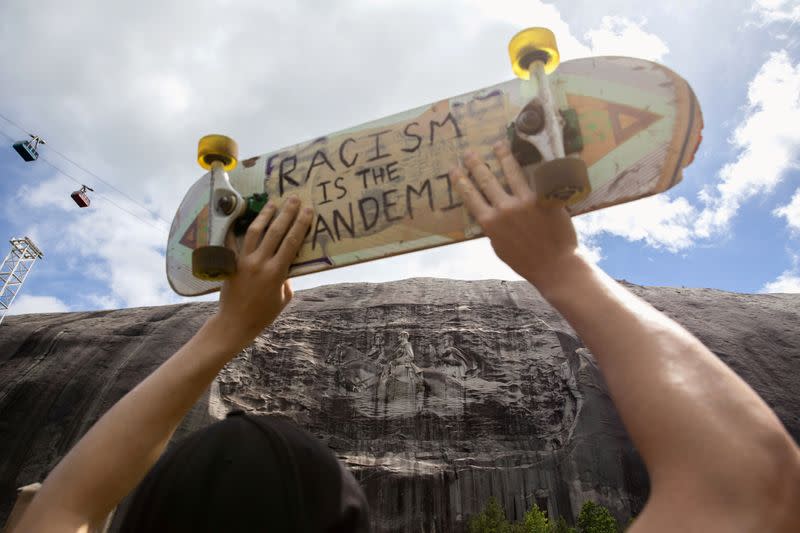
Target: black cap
<point>248,473</point>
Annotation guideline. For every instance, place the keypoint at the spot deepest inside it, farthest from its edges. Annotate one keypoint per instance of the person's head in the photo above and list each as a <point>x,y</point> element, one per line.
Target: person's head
<point>248,473</point>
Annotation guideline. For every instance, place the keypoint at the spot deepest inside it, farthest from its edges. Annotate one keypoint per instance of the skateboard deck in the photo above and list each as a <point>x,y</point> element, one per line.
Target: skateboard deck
<point>382,188</point>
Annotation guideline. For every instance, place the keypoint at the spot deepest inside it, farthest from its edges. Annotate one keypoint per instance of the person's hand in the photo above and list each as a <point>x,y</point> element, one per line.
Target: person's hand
<point>253,297</point>
<point>535,241</point>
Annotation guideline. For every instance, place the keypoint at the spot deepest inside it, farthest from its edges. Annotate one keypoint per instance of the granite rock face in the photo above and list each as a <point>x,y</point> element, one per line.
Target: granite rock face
<point>436,393</point>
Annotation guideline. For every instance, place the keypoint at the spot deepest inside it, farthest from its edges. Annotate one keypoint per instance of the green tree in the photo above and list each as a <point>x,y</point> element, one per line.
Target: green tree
<point>491,520</point>
<point>595,518</point>
<point>535,521</point>
<point>561,526</point>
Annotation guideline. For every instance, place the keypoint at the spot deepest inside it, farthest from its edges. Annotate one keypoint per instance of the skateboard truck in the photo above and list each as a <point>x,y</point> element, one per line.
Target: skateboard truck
<point>558,180</point>
<point>218,154</point>
<point>227,208</point>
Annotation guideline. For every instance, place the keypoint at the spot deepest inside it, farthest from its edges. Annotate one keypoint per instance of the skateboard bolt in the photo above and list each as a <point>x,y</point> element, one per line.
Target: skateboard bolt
<point>226,204</point>
<point>530,120</point>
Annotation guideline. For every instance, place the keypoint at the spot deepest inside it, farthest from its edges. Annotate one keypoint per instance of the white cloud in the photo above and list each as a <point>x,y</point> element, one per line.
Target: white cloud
<point>768,141</point>
<point>135,265</point>
<point>787,282</point>
<point>588,248</point>
<point>104,244</point>
<point>132,108</point>
<point>47,193</point>
<point>791,212</point>
<point>623,37</point>
<point>27,303</point>
<point>614,36</point>
<point>778,10</point>
<point>103,301</point>
<point>658,221</point>
<point>519,14</point>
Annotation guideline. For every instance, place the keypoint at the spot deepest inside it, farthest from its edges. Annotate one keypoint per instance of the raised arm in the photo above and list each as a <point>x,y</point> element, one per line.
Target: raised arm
<point>718,457</point>
<point>117,452</point>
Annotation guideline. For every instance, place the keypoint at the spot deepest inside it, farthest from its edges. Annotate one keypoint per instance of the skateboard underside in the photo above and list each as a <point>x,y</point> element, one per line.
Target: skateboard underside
<point>382,188</point>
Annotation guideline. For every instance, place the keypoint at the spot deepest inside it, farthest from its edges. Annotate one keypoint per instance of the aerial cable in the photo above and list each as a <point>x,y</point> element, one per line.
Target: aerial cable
<point>87,171</point>
<point>98,178</point>
<point>103,196</point>
<point>14,124</point>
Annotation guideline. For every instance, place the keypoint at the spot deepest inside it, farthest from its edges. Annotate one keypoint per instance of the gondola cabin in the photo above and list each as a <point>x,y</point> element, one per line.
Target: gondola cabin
<point>27,150</point>
<point>81,198</point>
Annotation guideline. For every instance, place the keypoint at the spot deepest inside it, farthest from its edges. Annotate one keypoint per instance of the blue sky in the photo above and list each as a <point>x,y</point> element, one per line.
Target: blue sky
<point>126,89</point>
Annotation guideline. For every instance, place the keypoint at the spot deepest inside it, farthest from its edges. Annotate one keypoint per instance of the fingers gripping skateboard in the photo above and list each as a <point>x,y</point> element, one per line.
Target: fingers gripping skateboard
<point>558,180</point>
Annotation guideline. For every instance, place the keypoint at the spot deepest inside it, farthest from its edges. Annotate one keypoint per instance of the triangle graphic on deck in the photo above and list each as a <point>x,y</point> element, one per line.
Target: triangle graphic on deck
<point>606,125</point>
<point>627,121</point>
<point>197,232</point>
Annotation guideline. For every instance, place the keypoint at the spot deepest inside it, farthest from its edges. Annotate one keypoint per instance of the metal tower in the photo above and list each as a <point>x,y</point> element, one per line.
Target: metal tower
<point>15,269</point>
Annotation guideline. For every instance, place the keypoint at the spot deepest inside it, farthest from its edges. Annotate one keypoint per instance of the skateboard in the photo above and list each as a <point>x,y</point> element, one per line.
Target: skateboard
<point>590,133</point>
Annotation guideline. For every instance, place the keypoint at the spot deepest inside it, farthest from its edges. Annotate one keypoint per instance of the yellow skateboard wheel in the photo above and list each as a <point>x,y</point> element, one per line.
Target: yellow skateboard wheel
<point>561,182</point>
<point>217,148</point>
<point>213,263</point>
<point>533,44</point>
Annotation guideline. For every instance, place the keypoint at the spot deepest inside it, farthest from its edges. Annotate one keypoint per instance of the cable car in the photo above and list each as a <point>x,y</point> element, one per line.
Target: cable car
<point>81,198</point>
<point>28,150</point>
